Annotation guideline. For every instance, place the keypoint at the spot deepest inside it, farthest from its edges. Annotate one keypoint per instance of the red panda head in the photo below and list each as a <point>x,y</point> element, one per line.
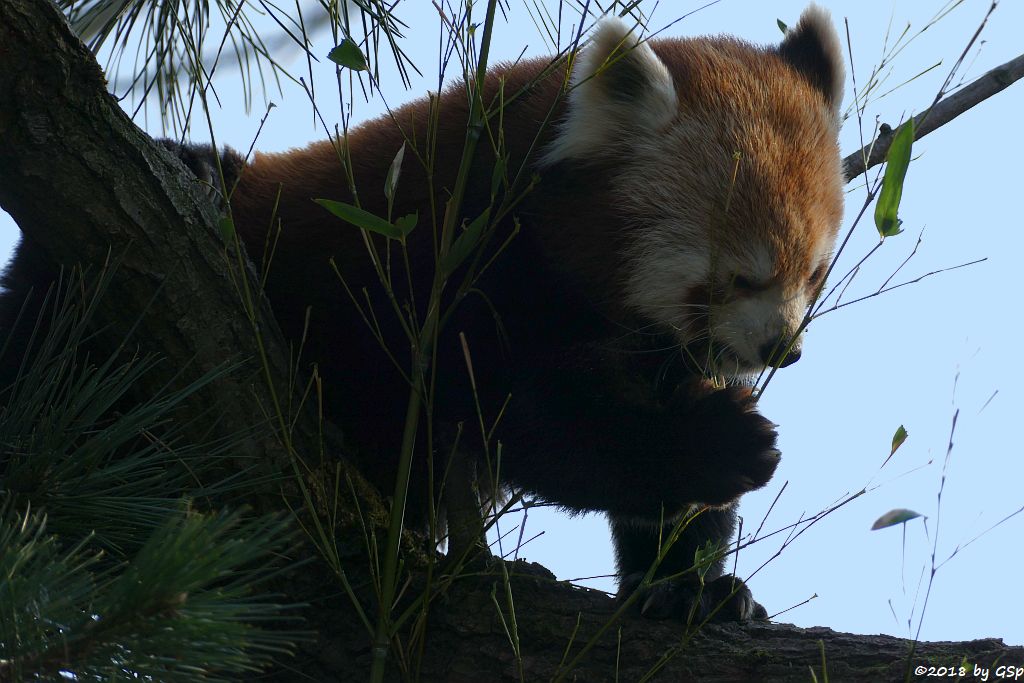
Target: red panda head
<point>727,176</point>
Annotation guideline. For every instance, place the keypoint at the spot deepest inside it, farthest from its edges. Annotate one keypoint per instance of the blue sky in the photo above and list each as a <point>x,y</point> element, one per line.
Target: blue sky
<point>914,356</point>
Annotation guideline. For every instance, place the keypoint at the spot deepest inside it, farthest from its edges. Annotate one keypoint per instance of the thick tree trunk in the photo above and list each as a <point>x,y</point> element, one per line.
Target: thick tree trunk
<point>86,185</point>
<point>82,181</point>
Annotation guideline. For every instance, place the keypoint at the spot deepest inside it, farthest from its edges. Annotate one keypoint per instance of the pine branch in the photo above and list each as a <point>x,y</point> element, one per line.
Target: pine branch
<point>185,608</point>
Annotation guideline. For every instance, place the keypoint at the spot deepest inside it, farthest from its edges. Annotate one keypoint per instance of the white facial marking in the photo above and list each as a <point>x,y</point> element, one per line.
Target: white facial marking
<point>769,318</point>
<point>662,272</point>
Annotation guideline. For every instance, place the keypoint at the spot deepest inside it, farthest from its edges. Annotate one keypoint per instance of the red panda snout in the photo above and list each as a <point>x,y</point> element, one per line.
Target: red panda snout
<point>781,353</point>
<point>758,330</point>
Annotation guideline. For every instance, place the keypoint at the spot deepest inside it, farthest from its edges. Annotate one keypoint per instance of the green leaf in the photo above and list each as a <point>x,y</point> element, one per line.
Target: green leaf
<point>898,438</point>
<point>226,226</point>
<point>898,160</point>
<point>361,219</point>
<point>894,517</point>
<point>348,55</point>
<point>406,223</point>
<point>705,557</point>
<point>498,177</point>
<point>395,170</point>
<point>782,26</point>
<point>465,243</point>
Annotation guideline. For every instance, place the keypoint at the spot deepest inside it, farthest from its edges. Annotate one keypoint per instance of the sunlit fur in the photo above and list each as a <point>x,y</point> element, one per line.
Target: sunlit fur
<point>595,116</point>
<point>743,180</point>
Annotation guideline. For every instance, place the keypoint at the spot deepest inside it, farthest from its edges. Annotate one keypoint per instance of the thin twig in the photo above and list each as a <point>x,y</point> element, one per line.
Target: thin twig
<point>942,113</point>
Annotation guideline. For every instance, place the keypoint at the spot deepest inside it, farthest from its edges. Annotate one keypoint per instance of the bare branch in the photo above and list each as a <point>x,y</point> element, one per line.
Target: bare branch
<point>942,113</point>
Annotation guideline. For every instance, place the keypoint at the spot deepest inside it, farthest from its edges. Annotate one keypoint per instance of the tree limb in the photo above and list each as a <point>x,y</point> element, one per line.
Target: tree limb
<point>468,642</point>
<point>943,112</point>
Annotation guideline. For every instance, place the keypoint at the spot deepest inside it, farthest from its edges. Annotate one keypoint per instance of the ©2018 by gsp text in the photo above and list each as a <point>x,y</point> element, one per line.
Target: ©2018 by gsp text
<point>980,672</point>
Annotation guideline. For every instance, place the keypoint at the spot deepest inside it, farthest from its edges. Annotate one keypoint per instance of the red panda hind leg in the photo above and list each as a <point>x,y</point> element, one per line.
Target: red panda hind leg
<point>697,591</point>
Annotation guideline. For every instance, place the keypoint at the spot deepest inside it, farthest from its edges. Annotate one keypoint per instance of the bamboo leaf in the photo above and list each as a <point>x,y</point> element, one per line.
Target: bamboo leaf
<point>498,177</point>
<point>898,438</point>
<point>898,160</point>
<point>348,55</point>
<point>394,172</point>
<point>227,229</point>
<point>406,223</point>
<point>465,243</point>
<point>894,517</point>
<point>362,219</point>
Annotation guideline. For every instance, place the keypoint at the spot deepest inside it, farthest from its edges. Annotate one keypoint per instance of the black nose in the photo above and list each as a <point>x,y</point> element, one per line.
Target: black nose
<point>771,354</point>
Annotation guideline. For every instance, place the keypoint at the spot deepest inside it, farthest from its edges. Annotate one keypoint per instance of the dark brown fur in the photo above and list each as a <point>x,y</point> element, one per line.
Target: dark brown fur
<point>605,413</point>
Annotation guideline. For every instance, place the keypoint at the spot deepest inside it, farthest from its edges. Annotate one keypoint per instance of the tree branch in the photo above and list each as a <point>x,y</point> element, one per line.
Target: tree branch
<point>468,642</point>
<point>942,113</point>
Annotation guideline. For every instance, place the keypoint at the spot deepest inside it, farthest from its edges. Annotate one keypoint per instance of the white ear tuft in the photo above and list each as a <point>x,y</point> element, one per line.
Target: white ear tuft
<point>618,87</point>
<point>813,47</point>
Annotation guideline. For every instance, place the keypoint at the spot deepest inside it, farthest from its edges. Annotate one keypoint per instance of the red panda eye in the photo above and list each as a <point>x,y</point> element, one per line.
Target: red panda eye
<point>817,276</point>
<point>740,282</point>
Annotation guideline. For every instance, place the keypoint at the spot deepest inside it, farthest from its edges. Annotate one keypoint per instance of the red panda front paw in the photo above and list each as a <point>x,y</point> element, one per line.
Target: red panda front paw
<point>736,443</point>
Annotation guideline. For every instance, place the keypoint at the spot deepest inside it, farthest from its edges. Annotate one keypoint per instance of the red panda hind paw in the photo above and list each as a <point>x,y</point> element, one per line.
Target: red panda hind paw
<point>725,599</point>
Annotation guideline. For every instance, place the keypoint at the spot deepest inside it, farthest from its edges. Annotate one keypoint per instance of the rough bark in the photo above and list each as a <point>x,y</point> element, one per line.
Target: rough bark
<point>88,185</point>
<point>468,643</point>
<point>81,179</point>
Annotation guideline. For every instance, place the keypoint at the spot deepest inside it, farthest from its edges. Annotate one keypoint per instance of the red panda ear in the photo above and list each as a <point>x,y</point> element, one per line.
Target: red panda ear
<point>813,47</point>
<point>619,86</point>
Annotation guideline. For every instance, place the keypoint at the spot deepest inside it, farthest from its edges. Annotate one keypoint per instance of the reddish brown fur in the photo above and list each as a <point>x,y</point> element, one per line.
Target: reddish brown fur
<point>782,192</point>
<point>317,172</point>
<point>778,182</point>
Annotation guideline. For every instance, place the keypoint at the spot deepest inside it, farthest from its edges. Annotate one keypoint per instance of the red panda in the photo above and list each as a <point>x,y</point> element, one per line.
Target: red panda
<point>688,198</point>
